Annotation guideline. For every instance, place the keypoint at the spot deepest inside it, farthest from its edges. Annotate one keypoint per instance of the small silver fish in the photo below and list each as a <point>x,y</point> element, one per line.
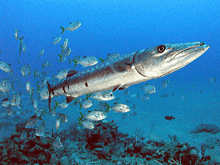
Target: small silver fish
<point>53,112</point>
<point>23,135</point>
<point>10,112</point>
<point>88,124</point>
<point>77,58</point>
<point>102,96</point>
<point>44,93</point>
<point>63,118</point>
<point>72,26</point>
<point>87,104</point>
<point>96,115</point>
<point>6,103</point>
<point>41,53</point>
<point>133,95</point>
<point>57,124</point>
<point>46,64</point>
<point>16,34</point>
<point>26,70</point>
<point>29,88</point>
<point>66,41</point>
<point>16,99</point>
<point>24,48</point>
<point>6,67</point>
<point>149,88</point>
<point>32,122</point>
<point>35,103</point>
<point>57,143</point>
<point>5,85</point>
<point>41,129</point>
<point>102,106</point>
<point>88,61</point>
<point>165,83</point>
<point>63,104</point>
<point>66,53</point>
<point>120,108</point>
<point>62,74</point>
<point>145,97</point>
<point>111,56</point>
<point>212,79</point>
<point>56,40</point>
<point>38,112</point>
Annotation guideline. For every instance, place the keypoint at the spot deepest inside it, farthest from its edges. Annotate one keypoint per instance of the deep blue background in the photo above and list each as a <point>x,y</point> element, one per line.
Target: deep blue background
<point>111,27</point>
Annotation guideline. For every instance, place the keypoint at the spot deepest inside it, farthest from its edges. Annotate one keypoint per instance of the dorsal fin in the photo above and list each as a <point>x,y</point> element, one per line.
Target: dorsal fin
<point>71,73</point>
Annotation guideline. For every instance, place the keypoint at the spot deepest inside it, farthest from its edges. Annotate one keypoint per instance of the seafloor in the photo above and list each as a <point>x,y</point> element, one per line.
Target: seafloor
<point>102,145</point>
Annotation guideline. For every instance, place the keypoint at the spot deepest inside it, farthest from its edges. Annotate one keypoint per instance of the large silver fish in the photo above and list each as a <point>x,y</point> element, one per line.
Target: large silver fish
<point>124,71</point>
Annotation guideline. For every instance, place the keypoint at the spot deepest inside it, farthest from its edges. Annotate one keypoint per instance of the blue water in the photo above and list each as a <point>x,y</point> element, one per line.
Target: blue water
<point>123,27</point>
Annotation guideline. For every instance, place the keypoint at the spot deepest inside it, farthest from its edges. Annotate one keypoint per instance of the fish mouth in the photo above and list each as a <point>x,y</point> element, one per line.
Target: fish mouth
<point>196,47</point>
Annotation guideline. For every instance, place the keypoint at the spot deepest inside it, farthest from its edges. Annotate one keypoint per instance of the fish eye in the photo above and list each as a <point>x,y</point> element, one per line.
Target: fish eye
<point>161,48</point>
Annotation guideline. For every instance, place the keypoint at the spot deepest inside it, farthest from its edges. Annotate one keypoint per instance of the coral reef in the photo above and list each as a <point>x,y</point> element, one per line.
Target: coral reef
<point>102,145</point>
<point>208,128</point>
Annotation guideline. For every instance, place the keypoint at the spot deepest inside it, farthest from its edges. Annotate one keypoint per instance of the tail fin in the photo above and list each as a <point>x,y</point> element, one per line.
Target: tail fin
<point>49,89</point>
<point>62,29</point>
<point>69,61</point>
<point>102,60</point>
<point>62,49</point>
<point>75,63</point>
<point>60,57</point>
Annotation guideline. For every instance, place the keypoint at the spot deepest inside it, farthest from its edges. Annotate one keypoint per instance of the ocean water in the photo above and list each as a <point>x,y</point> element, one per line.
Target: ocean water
<point>119,27</point>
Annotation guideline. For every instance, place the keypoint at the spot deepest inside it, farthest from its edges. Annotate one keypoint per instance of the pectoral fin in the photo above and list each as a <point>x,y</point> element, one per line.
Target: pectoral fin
<point>116,88</point>
<point>71,73</point>
<point>69,99</point>
<point>123,87</point>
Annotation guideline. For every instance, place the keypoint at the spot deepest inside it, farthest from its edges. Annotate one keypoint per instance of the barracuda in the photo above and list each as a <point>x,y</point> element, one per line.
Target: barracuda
<point>121,72</point>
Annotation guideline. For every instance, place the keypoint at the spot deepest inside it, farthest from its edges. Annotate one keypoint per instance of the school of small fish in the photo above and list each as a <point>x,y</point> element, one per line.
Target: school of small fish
<point>14,91</point>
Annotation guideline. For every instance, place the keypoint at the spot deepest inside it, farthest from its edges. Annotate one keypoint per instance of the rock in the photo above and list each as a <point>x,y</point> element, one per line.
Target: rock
<point>134,160</point>
<point>44,142</point>
<point>17,140</point>
<point>208,128</point>
<point>20,126</point>
<point>149,150</point>
<point>36,150</point>
<point>18,157</point>
<point>64,160</point>
<point>211,143</point>
<point>76,160</point>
